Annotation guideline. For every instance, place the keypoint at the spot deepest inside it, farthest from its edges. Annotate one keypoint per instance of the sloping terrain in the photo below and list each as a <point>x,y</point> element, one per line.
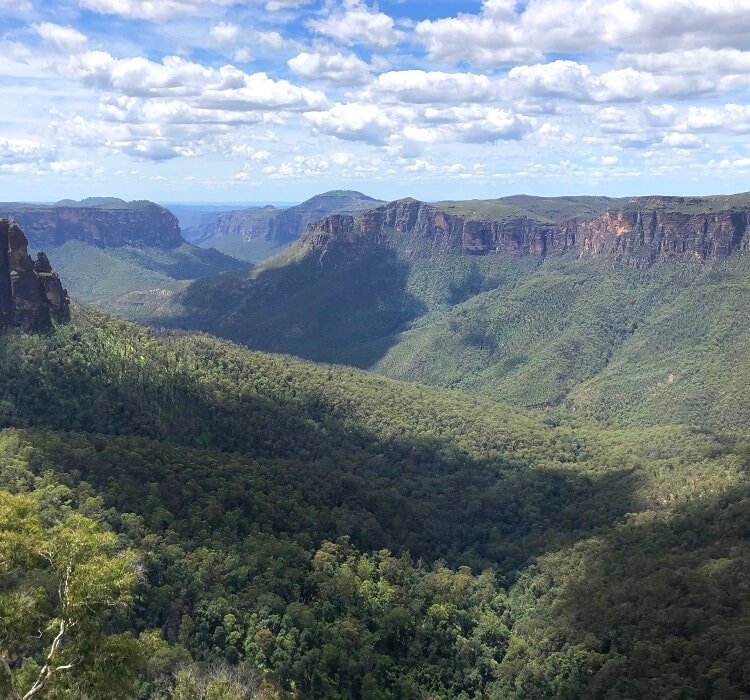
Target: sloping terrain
<point>634,314</point>
<point>260,492</point>
<point>128,257</point>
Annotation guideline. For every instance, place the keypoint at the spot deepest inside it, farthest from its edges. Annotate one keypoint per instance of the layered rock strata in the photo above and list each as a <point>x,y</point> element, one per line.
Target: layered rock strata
<point>131,224</point>
<point>639,236</point>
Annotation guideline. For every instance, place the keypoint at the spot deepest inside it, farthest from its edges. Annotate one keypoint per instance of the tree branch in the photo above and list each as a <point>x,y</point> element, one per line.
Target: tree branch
<point>15,695</point>
<point>49,669</point>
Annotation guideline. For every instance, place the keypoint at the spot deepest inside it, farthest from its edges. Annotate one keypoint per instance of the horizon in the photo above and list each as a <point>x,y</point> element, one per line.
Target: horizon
<point>287,204</point>
<point>227,101</point>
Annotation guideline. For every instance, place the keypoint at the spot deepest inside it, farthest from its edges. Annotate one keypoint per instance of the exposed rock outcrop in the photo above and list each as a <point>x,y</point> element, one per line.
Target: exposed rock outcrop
<point>639,234</point>
<point>30,292</point>
<point>286,225</point>
<point>112,223</point>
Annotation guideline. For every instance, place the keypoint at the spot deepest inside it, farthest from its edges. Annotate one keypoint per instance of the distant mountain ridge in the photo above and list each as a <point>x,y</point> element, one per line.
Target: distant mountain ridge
<point>104,222</point>
<point>256,232</point>
<point>638,230</point>
<point>108,250</point>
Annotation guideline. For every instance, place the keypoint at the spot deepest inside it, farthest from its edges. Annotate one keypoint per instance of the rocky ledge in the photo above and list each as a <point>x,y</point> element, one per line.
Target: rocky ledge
<point>31,294</point>
<point>106,223</point>
<point>645,231</point>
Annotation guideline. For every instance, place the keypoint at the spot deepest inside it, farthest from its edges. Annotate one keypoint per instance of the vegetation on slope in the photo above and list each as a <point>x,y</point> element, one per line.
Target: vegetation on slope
<point>134,282</point>
<point>260,494</point>
<point>667,344</point>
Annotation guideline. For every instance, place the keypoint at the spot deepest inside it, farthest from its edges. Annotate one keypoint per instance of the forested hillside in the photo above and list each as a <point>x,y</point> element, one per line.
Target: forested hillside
<point>666,344</point>
<point>304,530</point>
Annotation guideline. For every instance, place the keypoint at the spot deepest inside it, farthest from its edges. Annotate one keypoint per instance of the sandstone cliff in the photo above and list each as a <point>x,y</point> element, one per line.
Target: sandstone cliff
<point>639,233</point>
<point>30,292</point>
<point>286,225</point>
<point>113,223</point>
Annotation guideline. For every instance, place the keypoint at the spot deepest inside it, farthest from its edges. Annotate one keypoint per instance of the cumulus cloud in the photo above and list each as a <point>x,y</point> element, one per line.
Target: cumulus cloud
<point>21,6</point>
<point>410,129</point>
<point>501,34</point>
<point>576,82</point>
<point>424,87</point>
<point>332,67</point>
<point>147,141</point>
<point>227,87</point>
<point>224,33</point>
<point>60,38</point>
<point>16,150</point>
<point>358,24</point>
<point>353,122</point>
<point>275,5</point>
<point>162,10</point>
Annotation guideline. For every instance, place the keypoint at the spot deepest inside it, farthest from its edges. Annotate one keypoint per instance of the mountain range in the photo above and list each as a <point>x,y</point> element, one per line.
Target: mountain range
<point>107,249</point>
<point>515,299</point>
<point>562,514</point>
<point>255,233</point>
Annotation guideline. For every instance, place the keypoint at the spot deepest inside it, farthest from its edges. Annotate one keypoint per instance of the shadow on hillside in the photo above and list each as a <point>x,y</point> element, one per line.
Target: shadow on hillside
<point>427,490</point>
<point>665,598</point>
<point>342,304</point>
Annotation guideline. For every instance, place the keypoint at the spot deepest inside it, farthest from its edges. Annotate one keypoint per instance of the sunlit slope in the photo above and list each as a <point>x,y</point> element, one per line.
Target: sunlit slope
<point>664,344</point>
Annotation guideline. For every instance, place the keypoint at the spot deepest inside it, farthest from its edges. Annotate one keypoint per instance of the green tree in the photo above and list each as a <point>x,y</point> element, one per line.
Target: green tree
<point>59,588</point>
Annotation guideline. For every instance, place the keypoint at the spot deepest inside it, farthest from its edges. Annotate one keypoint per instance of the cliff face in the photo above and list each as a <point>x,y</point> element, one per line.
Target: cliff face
<point>135,224</point>
<point>252,224</point>
<point>286,225</point>
<point>30,292</point>
<point>639,236</point>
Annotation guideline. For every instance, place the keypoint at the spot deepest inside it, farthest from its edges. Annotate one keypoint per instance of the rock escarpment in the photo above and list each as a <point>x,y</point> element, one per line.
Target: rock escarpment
<point>286,225</point>
<point>113,223</point>
<point>639,234</point>
<point>31,294</point>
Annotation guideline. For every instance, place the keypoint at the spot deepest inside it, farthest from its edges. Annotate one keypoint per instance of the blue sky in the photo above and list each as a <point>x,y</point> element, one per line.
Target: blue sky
<point>277,100</point>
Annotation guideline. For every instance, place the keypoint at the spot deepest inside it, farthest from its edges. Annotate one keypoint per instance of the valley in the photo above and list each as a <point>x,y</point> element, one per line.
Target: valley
<point>538,490</point>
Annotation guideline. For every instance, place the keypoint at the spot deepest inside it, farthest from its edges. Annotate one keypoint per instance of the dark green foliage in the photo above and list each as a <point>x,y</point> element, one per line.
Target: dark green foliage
<point>261,492</point>
<point>666,344</point>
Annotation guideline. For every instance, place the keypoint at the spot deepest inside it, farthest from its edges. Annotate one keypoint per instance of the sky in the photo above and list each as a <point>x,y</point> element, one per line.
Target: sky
<point>277,100</point>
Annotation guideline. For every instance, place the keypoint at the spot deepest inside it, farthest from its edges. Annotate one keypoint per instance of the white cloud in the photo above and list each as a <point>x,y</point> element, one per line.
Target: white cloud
<point>409,129</point>
<point>163,10</point>
<point>353,122</point>
<point>62,39</point>
<point>575,81</point>
<point>227,87</point>
<point>731,118</point>
<point>23,150</point>
<point>690,62</point>
<point>21,6</point>
<point>242,55</point>
<point>501,34</point>
<point>358,24</point>
<point>332,67</point>
<point>275,5</point>
<point>224,33</point>
<point>299,166</point>
<point>425,87</point>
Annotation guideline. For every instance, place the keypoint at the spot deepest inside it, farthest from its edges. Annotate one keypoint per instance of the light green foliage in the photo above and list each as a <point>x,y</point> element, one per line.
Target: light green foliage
<point>545,209</point>
<point>57,589</point>
<point>134,282</point>
<point>669,344</point>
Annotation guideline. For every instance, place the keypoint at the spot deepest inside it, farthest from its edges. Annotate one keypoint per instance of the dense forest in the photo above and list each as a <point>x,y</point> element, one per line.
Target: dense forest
<point>183,518</point>
<point>668,344</point>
